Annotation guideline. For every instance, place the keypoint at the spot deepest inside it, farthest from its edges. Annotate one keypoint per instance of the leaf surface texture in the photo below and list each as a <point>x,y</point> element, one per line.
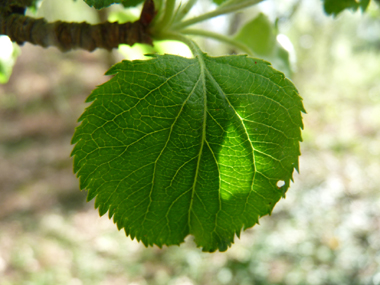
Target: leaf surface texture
<point>174,146</point>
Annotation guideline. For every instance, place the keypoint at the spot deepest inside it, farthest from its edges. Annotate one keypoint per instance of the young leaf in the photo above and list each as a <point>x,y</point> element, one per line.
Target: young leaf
<point>334,7</point>
<point>174,146</point>
<point>99,4</point>
<point>261,37</point>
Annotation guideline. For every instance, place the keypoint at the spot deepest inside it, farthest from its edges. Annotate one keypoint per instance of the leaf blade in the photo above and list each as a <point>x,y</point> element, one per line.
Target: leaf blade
<point>260,36</point>
<point>334,7</point>
<point>167,147</point>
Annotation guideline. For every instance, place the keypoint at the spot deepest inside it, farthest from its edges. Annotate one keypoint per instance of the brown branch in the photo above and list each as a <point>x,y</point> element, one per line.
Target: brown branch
<point>67,36</point>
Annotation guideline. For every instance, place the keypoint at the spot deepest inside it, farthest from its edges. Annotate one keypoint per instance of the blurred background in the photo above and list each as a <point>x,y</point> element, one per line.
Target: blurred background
<point>326,231</point>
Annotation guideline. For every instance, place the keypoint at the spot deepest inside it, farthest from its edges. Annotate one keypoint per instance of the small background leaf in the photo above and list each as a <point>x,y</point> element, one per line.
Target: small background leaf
<point>334,7</point>
<point>99,4</point>
<point>218,2</point>
<point>8,56</point>
<point>260,36</point>
<point>174,146</point>
<point>131,3</point>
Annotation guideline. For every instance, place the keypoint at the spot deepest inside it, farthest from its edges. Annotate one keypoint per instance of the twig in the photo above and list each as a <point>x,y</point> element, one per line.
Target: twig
<point>67,36</point>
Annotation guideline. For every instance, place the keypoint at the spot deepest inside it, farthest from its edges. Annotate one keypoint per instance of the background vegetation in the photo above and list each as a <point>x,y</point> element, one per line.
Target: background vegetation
<point>327,230</point>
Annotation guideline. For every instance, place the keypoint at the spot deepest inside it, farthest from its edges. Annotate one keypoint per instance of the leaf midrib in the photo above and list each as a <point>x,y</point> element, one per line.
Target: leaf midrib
<point>202,67</point>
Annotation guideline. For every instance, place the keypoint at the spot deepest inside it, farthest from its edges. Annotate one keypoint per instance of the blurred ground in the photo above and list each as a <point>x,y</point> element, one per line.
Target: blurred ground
<point>327,230</point>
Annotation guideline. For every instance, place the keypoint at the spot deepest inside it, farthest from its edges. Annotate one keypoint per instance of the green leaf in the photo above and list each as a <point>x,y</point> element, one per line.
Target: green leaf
<point>334,7</point>
<point>218,2</point>
<point>259,35</point>
<point>131,3</point>
<point>8,58</point>
<point>280,60</point>
<point>174,146</point>
<point>99,4</point>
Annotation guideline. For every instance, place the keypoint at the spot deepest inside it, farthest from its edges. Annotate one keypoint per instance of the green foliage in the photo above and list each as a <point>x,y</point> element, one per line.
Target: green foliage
<point>260,36</point>
<point>219,1</point>
<point>8,56</point>
<point>334,7</point>
<point>99,4</point>
<point>175,146</point>
<point>131,3</point>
